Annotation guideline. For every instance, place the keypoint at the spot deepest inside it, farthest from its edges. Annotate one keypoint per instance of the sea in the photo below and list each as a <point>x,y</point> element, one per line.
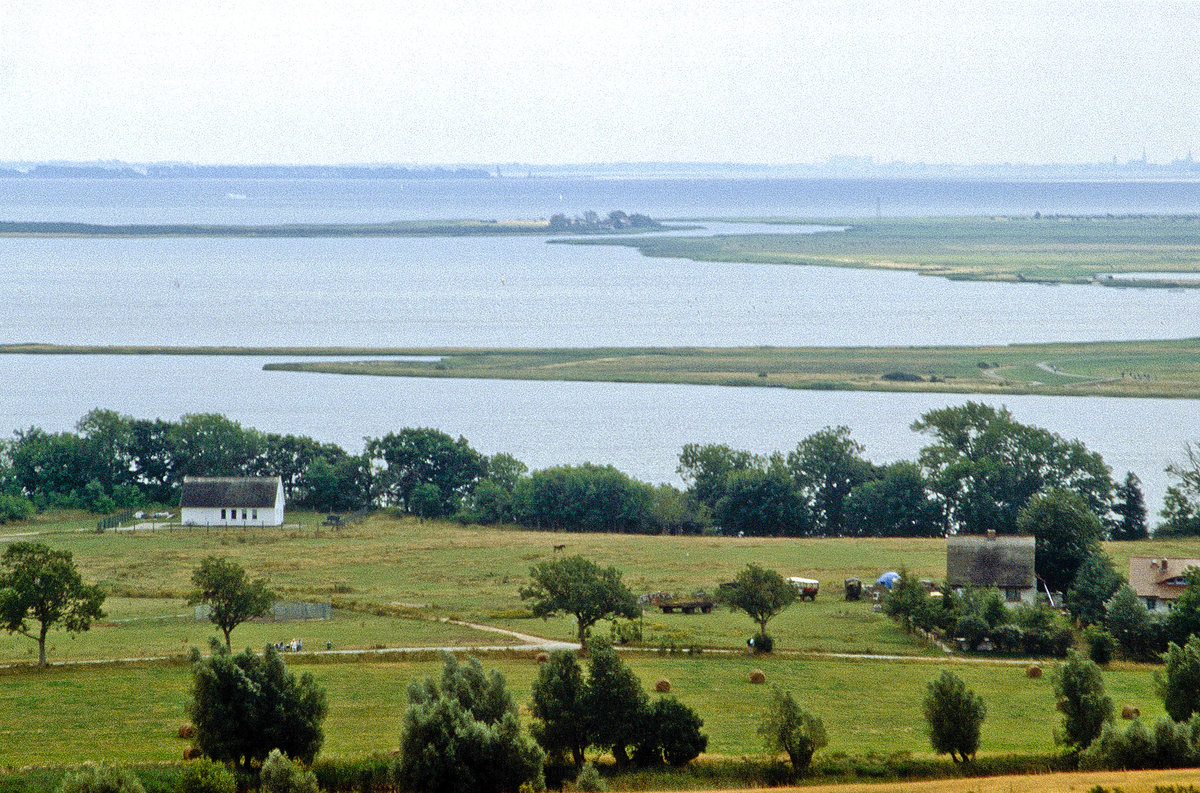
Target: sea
<point>525,291</point>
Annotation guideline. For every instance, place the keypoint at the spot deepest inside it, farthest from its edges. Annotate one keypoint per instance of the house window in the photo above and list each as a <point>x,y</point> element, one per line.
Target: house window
<point>254,514</point>
<point>243,514</point>
<point>1151,603</point>
<point>1012,595</point>
<point>222,514</point>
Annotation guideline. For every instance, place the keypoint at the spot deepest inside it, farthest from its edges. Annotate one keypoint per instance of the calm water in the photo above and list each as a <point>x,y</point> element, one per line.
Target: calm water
<point>524,292</point>
<point>639,428</point>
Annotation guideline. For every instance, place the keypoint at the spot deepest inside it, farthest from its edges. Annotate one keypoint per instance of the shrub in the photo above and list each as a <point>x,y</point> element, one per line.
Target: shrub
<point>102,778</point>
<point>205,776</point>
<point>461,734</point>
<point>762,643</point>
<point>14,507</point>
<point>971,629</point>
<point>589,780</point>
<point>1170,745</point>
<point>955,715</point>
<point>1101,644</point>
<point>281,775</point>
<point>1128,621</point>
<point>1082,701</point>
<point>786,727</point>
<point>1179,683</point>
<point>559,709</point>
<point>671,733</point>
<point>1006,638</point>
<point>371,774</point>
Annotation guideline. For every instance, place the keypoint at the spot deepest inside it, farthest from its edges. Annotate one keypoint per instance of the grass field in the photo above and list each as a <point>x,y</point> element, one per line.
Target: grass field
<point>132,713</point>
<point>1169,368</point>
<point>1014,249</point>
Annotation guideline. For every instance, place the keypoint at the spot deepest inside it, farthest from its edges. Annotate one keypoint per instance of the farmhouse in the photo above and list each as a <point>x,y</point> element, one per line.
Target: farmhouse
<point>1005,563</point>
<point>1159,581</point>
<point>231,501</point>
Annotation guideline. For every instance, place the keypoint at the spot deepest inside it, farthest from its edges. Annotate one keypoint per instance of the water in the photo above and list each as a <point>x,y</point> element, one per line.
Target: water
<point>525,292</point>
<point>640,428</point>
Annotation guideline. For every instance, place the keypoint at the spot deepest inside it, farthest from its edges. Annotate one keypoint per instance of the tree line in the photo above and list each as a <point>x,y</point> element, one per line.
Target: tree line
<point>978,471</point>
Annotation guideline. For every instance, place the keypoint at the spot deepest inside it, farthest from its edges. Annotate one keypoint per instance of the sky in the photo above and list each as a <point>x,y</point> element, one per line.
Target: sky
<point>561,81</point>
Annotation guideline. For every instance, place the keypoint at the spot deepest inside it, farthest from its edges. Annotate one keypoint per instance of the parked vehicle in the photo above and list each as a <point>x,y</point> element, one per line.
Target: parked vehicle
<point>807,587</point>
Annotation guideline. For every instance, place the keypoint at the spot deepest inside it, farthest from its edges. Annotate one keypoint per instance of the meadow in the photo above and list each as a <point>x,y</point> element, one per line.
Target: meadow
<point>390,578</point>
<point>1076,249</point>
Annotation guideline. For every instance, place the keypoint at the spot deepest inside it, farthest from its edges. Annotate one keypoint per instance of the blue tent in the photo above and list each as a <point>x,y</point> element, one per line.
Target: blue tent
<point>888,579</point>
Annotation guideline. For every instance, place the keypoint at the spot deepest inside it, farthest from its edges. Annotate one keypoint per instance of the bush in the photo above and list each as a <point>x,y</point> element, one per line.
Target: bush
<point>1170,745</point>
<point>1082,701</point>
<point>281,775</point>
<point>671,733</point>
<point>14,507</point>
<point>1179,683</point>
<point>102,778</point>
<point>786,727</point>
<point>971,629</point>
<point>1101,644</point>
<point>1006,638</point>
<point>558,707</point>
<point>955,715</point>
<point>205,776</point>
<point>368,775</point>
<point>762,643</point>
<point>461,735</point>
<point>589,780</point>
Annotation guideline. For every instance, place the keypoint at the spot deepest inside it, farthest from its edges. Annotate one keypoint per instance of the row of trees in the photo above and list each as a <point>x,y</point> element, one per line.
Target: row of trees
<point>979,471</point>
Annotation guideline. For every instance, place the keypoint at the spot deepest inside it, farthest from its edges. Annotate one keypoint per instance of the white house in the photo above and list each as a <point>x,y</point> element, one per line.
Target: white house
<point>231,501</point>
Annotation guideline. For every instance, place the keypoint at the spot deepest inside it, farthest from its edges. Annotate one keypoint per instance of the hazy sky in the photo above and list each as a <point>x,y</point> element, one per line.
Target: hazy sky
<point>564,81</point>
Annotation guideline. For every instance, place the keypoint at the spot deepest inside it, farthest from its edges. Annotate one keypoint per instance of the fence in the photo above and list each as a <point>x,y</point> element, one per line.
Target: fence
<point>113,521</point>
<point>281,611</point>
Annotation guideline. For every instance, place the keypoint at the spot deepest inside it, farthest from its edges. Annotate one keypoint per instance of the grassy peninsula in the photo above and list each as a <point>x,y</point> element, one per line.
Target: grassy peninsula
<point>1048,250</point>
<point>1125,369</point>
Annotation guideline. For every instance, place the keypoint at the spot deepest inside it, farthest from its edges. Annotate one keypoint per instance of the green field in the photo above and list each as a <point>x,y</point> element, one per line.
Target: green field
<point>1013,249</point>
<point>132,713</point>
<point>1169,368</point>
<point>390,576</point>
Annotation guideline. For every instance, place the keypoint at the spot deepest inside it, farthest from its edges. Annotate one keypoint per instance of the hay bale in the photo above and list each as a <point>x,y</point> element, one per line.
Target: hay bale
<point>662,686</point>
<point>758,677</point>
<point>542,658</point>
<point>191,753</point>
<point>1033,671</point>
<point>186,731</point>
<point>1130,712</point>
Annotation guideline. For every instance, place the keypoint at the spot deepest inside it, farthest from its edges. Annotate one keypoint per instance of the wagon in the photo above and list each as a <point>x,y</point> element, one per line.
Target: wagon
<point>807,587</point>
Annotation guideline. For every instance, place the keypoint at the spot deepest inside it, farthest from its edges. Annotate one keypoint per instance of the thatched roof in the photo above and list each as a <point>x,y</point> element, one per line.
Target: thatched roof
<point>990,561</point>
<point>256,492</point>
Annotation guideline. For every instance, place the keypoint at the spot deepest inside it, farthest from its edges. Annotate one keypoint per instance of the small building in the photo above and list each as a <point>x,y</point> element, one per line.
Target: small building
<point>1159,580</point>
<point>231,501</point>
<point>986,562</point>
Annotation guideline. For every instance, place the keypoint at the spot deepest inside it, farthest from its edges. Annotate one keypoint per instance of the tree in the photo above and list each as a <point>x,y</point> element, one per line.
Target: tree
<point>985,466</point>
<point>585,497</point>
<point>558,704</point>
<point>1181,509</point>
<point>1179,682</point>
<point>759,592</point>
<point>245,705</point>
<point>43,586</point>
<point>705,468</point>
<point>786,727</point>
<point>1130,509</point>
<point>281,775</point>
<point>675,733</point>
<point>209,444</point>
<point>955,715</point>
<point>1079,689</point>
<point>231,597</point>
<point>762,503</point>
<point>411,457</point>
<point>461,734</point>
<point>825,467</point>
<point>908,600</point>
<point>339,486</point>
<point>1065,532</point>
<point>1183,621</point>
<point>1126,618</point>
<point>897,504</point>
<point>615,703</point>
<point>1096,581</point>
<point>581,588</point>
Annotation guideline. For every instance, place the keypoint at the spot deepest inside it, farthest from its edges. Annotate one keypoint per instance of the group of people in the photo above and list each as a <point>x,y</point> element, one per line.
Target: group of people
<point>294,646</point>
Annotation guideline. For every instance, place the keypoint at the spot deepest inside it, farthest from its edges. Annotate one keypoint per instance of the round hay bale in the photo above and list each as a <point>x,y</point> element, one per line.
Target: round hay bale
<point>542,658</point>
<point>1033,671</point>
<point>758,677</point>
<point>186,731</point>
<point>191,753</point>
<point>1130,712</point>
<point>662,686</point>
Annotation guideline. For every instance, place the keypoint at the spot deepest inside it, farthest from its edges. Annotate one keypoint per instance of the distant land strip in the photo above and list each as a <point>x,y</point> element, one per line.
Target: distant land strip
<point>1140,251</point>
<point>413,228</point>
<point>1167,368</point>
